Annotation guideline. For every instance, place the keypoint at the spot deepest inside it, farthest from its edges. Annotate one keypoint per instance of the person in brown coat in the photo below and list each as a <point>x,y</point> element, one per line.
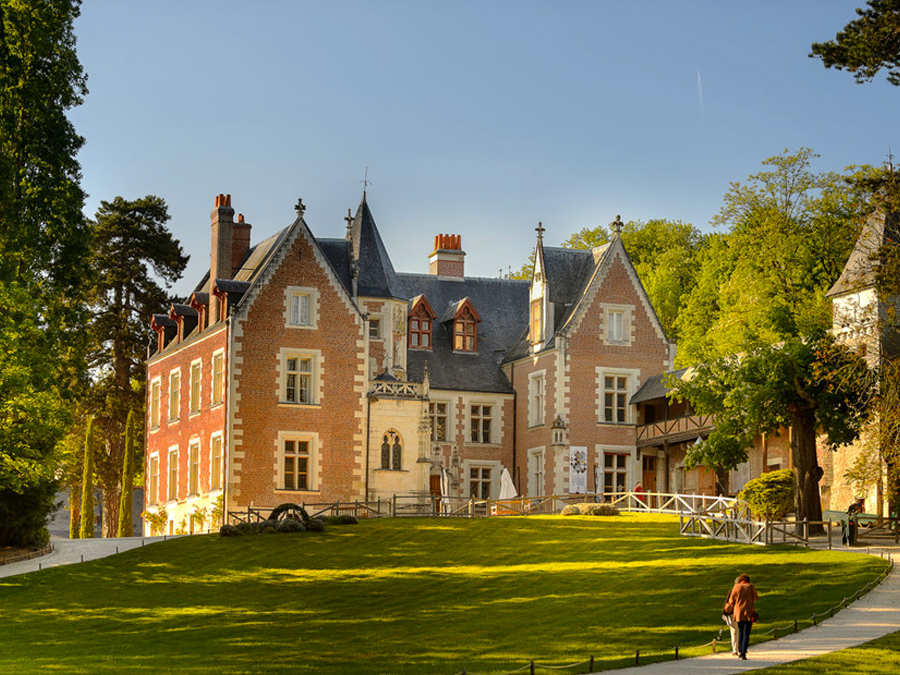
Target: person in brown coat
<point>741,603</point>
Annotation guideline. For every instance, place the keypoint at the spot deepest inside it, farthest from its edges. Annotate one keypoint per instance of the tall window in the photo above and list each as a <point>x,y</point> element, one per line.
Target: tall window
<point>615,398</point>
<point>195,386</point>
<point>154,404</point>
<point>298,379</point>
<point>615,473</point>
<point>464,336</point>
<point>437,412</point>
<point>296,465</point>
<point>218,378</point>
<point>481,423</point>
<point>536,473</point>
<point>173,476</point>
<point>537,323</point>
<point>153,497</point>
<point>421,324</point>
<point>194,468</point>
<point>536,400</point>
<point>391,451</point>
<point>480,482</point>
<point>616,319</point>
<point>300,306</point>
<point>174,395</point>
<point>374,328</point>
<point>215,470</point>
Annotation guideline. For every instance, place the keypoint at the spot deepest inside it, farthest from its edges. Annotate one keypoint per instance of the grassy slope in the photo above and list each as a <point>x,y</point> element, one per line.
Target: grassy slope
<point>873,658</point>
<point>404,597</point>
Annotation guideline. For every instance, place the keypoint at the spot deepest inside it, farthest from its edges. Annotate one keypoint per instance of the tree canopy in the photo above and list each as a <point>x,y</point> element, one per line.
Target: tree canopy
<point>867,44</point>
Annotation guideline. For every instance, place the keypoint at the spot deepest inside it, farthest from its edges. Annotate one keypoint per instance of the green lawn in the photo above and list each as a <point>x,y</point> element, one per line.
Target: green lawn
<point>405,597</point>
<point>873,658</point>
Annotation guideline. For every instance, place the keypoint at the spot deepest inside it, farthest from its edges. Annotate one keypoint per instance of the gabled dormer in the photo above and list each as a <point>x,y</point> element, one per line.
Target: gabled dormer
<point>464,329</point>
<point>421,324</point>
<point>538,306</point>
<point>200,302</point>
<point>185,318</point>
<point>165,330</point>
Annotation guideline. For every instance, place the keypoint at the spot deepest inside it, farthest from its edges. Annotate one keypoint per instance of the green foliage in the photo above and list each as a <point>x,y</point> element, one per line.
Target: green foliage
<point>315,525</point>
<point>126,500</point>
<point>86,530</point>
<point>867,44</point>
<point>589,509</point>
<point>290,525</point>
<point>157,520</point>
<point>229,531</point>
<point>23,515</point>
<point>217,511</point>
<point>198,517</point>
<point>770,494</point>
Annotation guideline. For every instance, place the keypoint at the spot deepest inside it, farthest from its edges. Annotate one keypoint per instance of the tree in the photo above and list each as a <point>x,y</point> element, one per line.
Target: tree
<point>133,256</point>
<point>811,385</point>
<point>126,527</point>
<point>86,530</point>
<point>867,44</point>
<point>43,262</point>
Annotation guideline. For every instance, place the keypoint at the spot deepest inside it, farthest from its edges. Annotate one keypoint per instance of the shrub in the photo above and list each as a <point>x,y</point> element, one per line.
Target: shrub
<point>290,525</point>
<point>157,519</point>
<point>601,510</point>
<point>570,510</point>
<point>315,525</point>
<point>247,528</point>
<point>283,510</point>
<point>347,519</point>
<point>229,531</point>
<point>771,493</point>
<point>267,527</point>
<point>332,520</point>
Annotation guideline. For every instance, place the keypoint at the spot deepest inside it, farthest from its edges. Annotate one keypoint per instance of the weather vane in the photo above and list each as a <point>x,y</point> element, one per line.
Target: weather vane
<point>540,230</point>
<point>365,181</point>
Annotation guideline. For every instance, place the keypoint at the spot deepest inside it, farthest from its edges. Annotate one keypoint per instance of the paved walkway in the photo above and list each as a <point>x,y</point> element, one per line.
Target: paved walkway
<point>69,551</point>
<point>874,616</point>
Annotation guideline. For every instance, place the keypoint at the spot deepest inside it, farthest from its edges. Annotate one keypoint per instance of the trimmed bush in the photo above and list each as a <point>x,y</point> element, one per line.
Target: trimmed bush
<point>570,510</point>
<point>315,525</point>
<point>771,493</point>
<point>267,527</point>
<point>347,519</point>
<point>332,520</point>
<point>290,525</point>
<point>247,528</point>
<point>283,510</point>
<point>589,509</point>
<point>229,531</point>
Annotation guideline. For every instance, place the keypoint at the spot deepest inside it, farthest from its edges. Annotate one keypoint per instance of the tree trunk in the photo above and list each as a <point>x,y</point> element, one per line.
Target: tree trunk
<point>806,466</point>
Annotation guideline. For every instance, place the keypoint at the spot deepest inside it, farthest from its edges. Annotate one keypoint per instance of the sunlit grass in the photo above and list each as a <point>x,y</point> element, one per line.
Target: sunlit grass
<point>405,597</point>
<point>873,658</point>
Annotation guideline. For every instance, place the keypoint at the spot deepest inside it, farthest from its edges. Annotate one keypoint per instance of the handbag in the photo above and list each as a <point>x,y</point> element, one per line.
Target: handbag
<point>754,617</point>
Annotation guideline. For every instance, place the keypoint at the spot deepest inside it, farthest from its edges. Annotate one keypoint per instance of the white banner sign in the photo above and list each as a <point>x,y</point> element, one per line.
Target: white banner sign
<point>578,465</point>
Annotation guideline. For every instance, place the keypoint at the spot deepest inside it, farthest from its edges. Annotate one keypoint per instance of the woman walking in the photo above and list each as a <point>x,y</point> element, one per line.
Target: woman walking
<point>741,603</point>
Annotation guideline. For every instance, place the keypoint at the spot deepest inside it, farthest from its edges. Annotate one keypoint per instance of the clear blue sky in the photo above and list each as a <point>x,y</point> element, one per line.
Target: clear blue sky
<point>477,118</point>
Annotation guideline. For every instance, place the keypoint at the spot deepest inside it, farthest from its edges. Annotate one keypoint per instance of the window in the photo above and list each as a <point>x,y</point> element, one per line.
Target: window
<point>536,473</point>
<point>615,398</point>
<point>481,423</point>
<point>174,395</point>
<point>391,451</point>
<point>298,379</point>
<point>374,328</point>
<point>616,321</point>
<point>536,400</point>
<point>153,496</point>
<point>296,465</point>
<point>615,474</point>
<point>154,404</point>
<point>218,378</point>
<point>537,324</point>
<point>194,468</point>
<point>421,324</point>
<point>173,475</point>
<point>215,457</point>
<point>195,386</point>
<point>300,307</point>
<point>437,412</point>
<point>464,336</point>
<point>480,482</point>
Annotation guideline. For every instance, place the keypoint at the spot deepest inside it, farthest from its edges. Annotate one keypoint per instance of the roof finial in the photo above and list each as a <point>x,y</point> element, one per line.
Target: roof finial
<point>365,182</point>
<point>540,230</point>
<point>299,207</point>
<point>349,220</point>
<point>616,225</point>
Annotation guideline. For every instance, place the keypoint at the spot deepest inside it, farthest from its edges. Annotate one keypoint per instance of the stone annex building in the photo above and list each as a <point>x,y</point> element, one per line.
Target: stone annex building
<point>308,370</point>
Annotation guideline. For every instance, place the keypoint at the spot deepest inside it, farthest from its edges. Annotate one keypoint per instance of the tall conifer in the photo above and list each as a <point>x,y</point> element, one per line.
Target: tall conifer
<point>87,485</point>
<point>126,527</point>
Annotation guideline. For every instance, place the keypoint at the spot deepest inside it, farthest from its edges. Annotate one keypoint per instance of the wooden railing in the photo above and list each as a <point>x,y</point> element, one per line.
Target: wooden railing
<point>680,425</point>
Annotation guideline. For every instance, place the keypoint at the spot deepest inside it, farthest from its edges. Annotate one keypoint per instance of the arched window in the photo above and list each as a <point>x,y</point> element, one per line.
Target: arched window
<point>391,451</point>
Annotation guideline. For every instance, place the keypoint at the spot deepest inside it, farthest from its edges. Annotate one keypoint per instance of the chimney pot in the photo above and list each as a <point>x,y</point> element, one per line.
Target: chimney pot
<point>448,258</point>
<point>240,218</point>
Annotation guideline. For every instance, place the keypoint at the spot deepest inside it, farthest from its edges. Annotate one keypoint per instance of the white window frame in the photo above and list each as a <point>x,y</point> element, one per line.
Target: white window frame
<point>493,465</point>
<point>625,451</point>
<point>315,375</point>
<point>537,399</point>
<point>622,335</point>
<point>174,400</point>
<point>378,323</point>
<point>216,437</point>
<point>448,417</point>
<point>193,486</point>
<point>536,472</point>
<point>493,434</point>
<point>155,402</point>
<point>195,401</point>
<point>312,477</point>
<point>172,486</point>
<point>631,383</point>
<point>217,390</point>
<point>290,318</point>
<point>153,481</point>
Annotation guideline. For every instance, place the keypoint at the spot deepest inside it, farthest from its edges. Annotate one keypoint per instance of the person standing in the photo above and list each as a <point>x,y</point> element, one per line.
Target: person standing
<point>741,603</point>
<point>728,618</point>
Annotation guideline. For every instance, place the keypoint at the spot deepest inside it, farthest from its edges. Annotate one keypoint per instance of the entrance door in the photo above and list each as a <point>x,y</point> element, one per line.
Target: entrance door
<point>648,477</point>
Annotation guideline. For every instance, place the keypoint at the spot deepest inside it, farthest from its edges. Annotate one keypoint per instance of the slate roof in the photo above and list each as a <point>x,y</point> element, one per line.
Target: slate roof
<point>337,251</point>
<point>655,387</point>
<point>503,307</point>
<point>860,270</point>
<point>375,273</point>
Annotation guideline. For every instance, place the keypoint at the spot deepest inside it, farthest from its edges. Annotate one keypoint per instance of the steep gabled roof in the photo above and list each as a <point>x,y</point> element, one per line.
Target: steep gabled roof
<point>655,387</point>
<point>861,268</point>
<point>375,273</point>
<point>567,273</point>
<point>455,307</point>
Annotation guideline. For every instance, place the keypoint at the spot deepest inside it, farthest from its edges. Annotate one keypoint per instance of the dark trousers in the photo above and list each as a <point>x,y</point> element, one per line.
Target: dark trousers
<point>744,636</point>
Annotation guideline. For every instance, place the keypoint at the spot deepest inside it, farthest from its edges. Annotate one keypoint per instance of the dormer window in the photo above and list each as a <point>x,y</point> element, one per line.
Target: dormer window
<point>464,335</point>
<point>421,324</point>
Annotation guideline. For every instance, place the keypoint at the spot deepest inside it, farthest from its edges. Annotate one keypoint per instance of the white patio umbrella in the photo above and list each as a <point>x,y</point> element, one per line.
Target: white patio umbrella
<point>507,489</point>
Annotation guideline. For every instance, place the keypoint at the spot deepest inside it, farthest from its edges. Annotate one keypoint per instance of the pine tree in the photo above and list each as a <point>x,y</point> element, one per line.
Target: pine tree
<point>87,486</point>
<point>126,527</point>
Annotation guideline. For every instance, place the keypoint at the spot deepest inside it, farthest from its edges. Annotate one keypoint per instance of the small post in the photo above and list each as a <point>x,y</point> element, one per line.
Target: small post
<point>142,543</point>
<point>829,534</point>
<point>832,612</point>
<point>815,622</point>
<point>795,625</point>
<point>117,550</point>
<point>532,668</point>
<point>591,669</point>
<point>676,652</point>
<point>394,506</point>
<point>857,594</point>
<point>637,657</point>
<point>40,566</point>
<point>715,642</point>
<point>775,633</point>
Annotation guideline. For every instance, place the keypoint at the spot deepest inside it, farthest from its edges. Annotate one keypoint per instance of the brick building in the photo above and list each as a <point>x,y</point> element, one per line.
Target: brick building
<point>307,369</point>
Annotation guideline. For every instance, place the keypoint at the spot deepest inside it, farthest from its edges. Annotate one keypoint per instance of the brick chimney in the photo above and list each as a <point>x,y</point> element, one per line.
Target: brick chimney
<point>448,259</point>
<point>240,243</point>
<point>222,218</point>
